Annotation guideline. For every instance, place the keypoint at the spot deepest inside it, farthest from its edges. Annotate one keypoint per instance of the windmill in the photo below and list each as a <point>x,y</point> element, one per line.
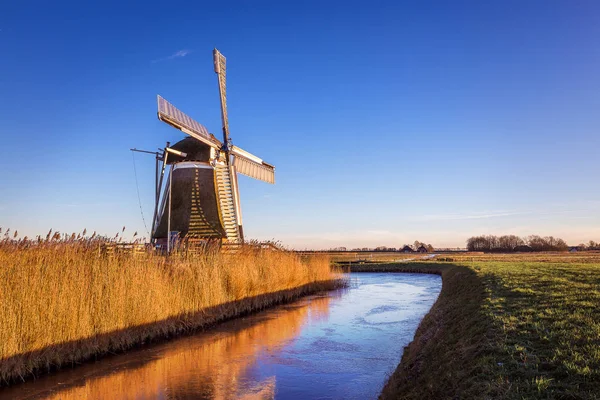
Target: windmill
<point>201,197</point>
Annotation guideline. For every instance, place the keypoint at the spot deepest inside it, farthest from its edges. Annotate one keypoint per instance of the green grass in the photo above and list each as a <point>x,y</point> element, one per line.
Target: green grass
<point>510,329</point>
<point>547,317</point>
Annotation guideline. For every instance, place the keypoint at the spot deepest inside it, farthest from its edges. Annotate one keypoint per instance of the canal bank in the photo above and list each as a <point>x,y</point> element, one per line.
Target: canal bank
<point>442,359</point>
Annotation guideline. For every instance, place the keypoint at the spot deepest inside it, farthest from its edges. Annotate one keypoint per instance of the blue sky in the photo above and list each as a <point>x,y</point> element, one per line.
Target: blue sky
<point>387,121</point>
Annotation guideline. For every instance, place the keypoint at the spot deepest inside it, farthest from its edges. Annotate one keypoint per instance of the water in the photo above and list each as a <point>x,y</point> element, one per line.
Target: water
<point>338,345</point>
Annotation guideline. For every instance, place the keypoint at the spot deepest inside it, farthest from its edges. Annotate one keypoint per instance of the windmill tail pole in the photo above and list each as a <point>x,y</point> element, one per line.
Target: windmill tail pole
<point>156,184</point>
<point>156,190</point>
<point>169,216</point>
<point>159,187</point>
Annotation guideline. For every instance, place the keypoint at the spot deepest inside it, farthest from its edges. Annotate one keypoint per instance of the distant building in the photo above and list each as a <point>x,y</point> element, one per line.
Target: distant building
<point>407,249</point>
<point>422,249</point>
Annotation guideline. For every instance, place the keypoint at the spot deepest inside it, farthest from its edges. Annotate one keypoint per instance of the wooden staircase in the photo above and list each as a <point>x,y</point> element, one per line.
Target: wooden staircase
<point>227,204</point>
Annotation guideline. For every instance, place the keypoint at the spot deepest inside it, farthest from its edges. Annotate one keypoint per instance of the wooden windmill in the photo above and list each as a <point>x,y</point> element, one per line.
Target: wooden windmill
<point>201,197</point>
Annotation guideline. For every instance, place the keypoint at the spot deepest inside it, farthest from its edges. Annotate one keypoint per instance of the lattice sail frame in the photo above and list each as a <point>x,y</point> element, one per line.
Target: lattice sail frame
<point>170,114</point>
<point>221,71</point>
<point>252,166</point>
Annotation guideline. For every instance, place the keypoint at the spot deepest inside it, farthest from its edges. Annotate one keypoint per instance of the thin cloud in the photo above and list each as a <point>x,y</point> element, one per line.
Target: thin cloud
<point>499,214</point>
<point>177,54</point>
<point>86,205</point>
<point>483,215</point>
<point>379,233</point>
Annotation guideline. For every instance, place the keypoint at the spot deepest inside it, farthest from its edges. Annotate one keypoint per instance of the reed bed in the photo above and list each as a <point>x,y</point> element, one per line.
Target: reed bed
<point>214,364</point>
<point>62,301</point>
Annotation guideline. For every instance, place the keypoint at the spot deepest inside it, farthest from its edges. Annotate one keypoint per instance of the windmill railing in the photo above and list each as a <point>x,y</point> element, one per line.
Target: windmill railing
<point>112,250</point>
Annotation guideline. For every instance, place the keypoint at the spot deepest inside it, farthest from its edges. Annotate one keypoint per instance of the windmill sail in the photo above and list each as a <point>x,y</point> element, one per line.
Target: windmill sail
<point>221,71</point>
<point>170,114</point>
<point>263,172</point>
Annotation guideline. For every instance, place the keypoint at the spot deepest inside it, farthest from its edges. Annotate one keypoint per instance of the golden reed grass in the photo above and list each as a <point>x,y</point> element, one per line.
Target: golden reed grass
<point>211,365</point>
<point>62,302</point>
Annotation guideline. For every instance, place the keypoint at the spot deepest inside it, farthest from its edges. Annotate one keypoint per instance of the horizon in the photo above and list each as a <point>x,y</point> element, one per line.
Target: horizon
<point>386,123</point>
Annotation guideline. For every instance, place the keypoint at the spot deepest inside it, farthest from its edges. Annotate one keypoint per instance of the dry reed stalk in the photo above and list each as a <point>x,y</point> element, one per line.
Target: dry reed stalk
<point>221,359</point>
<point>62,302</point>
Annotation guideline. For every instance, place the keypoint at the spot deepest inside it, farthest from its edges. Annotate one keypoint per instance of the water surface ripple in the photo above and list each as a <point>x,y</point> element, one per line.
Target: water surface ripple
<point>339,345</point>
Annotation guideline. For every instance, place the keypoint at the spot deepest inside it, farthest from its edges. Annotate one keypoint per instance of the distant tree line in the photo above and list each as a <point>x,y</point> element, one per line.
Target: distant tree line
<point>591,245</point>
<point>513,243</point>
<point>415,246</point>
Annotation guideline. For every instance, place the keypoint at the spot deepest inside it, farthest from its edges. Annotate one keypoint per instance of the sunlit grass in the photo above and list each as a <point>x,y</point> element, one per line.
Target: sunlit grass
<point>546,319</point>
<point>59,290</point>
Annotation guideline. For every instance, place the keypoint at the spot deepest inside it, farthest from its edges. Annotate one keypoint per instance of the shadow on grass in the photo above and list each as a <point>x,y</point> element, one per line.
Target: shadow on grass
<point>551,330</point>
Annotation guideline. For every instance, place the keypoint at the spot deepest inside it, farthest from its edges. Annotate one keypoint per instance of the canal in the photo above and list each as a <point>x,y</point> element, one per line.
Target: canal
<point>339,345</point>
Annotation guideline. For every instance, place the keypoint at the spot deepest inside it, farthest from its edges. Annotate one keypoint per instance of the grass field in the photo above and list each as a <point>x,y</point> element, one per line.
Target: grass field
<point>366,256</point>
<point>61,301</point>
<point>506,327</point>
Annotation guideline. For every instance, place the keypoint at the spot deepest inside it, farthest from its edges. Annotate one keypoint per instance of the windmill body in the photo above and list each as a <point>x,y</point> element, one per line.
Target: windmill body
<point>201,197</point>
